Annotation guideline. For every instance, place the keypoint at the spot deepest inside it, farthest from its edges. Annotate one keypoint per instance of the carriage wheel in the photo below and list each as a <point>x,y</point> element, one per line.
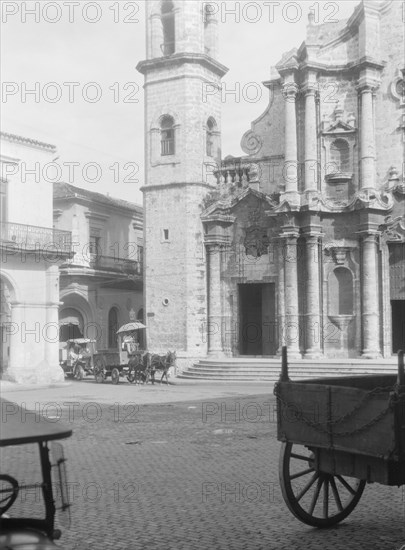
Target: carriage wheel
<point>315,498</point>
<point>8,492</point>
<point>115,376</point>
<point>99,371</point>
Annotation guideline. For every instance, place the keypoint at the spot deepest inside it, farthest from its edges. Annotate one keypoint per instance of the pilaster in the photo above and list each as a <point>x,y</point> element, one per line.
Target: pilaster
<point>369,298</point>
<point>291,328</point>
<point>313,329</point>
<point>215,319</point>
<point>366,89</point>
<point>311,161</point>
<point>290,172</point>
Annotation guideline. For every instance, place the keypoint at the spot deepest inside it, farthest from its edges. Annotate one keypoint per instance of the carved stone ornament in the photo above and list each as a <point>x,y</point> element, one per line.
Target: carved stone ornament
<point>256,242</point>
<point>251,143</point>
<point>397,87</point>
<point>393,230</point>
<point>338,253</point>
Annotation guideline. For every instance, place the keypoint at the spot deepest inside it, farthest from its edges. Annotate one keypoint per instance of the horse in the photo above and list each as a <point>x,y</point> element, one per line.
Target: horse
<point>161,362</point>
<point>139,367</point>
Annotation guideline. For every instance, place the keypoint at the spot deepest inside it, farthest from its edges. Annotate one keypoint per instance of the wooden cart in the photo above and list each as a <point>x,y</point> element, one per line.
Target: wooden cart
<point>115,364</point>
<point>337,435</point>
<point>82,363</point>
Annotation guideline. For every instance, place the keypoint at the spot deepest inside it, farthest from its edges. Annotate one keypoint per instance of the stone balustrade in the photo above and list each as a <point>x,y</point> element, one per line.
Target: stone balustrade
<point>233,173</point>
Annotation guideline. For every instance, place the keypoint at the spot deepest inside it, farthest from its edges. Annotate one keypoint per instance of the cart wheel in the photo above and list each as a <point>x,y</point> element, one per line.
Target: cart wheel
<point>115,376</point>
<point>99,372</point>
<point>79,372</point>
<point>8,492</point>
<point>315,498</point>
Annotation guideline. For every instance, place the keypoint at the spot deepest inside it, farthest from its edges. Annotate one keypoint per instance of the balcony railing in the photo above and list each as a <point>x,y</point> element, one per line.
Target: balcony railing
<point>233,173</point>
<point>117,265</point>
<point>32,237</point>
<point>167,147</point>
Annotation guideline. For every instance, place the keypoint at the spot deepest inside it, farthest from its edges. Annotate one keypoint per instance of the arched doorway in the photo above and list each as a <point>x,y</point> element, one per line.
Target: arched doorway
<point>141,333</point>
<point>112,328</point>
<point>77,319</point>
<point>397,294</point>
<point>71,324</point>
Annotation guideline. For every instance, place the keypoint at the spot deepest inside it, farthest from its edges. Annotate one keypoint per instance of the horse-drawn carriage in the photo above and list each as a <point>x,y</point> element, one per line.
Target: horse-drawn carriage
<point>143,367</point>
<point>338,434</point>
<point>138,366</point>
<point>115,364</point>
<point>76,357</point>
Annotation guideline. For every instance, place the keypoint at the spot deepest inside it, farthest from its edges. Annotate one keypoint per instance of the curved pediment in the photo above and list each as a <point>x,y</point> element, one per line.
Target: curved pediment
<point>223,209</point>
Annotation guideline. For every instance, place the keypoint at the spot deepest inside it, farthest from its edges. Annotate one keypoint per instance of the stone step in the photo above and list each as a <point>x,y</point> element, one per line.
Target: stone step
<point>268,369</point>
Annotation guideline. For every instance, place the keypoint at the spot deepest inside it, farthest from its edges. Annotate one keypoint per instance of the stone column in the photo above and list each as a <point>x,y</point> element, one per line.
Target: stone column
<point>291,328</point>
<point>155,40</point>
<point>214,328</point>
<point>370,301</point>
<point>281,296</point>
<point>228,322</point>
<point>290,90</point>
<point>51,333</point>
<point>367,138</point>
<point>16,369</point>
<point>313,348</point>
<point>311,156</point>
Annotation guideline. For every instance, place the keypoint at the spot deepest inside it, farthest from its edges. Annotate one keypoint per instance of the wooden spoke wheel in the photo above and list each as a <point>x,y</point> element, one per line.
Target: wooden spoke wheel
<point>315,498</point>
<point>115,376</point>
<point>79,372</point>
<point>8,492</point>
<point>99,371</point>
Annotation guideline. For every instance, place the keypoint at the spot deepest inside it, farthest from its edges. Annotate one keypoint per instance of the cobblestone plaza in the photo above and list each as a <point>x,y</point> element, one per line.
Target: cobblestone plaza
<point>189,466</point>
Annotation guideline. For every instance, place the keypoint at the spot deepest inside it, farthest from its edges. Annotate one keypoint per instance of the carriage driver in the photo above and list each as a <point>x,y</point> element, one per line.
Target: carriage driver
<point>74,353</point>
<point>129,343</point>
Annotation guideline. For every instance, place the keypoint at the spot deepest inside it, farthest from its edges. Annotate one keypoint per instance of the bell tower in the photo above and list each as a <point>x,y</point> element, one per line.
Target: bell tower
<point>182,148</point>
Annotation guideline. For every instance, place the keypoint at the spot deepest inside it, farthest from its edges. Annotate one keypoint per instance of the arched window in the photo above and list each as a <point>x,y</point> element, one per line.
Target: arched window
<point>168,23</point>
<point>112,327</point>
<point>341,292</point>
<point>167,136</point>
<point>340,156</point>
<point>211,127</point>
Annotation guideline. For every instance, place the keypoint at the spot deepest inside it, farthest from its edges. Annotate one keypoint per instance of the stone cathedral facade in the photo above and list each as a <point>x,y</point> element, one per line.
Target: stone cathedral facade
<point>302,240</point>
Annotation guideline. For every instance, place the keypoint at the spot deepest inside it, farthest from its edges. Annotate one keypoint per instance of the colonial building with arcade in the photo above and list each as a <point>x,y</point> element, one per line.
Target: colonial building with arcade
<point>301,242</point>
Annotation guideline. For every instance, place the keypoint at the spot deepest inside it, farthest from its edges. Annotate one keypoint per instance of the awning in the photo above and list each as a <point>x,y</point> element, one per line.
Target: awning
<point>70,321</point>
<point>70,316</point>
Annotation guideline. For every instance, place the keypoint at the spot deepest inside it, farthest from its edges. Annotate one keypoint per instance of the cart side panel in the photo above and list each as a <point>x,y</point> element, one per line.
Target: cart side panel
<point>370,468</point>
<point>299,405</point>
<point>109,359</point>
<point>334,417</point>
<point>400,425</point>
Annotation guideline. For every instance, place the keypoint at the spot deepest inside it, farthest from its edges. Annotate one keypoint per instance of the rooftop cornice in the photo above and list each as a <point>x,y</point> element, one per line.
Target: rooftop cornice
<point>13,138</point>
<point>360,64</point>
<point>179,59</point>
<point>78,194</point>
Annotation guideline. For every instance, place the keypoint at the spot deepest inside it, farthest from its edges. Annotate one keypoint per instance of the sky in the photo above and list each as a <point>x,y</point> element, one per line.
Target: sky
<point>80,62</point>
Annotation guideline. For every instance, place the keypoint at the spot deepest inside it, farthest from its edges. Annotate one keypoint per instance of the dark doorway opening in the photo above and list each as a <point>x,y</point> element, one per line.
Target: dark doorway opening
<point>69,332</point>
<point>257,334</point>
<point>398,325</point>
